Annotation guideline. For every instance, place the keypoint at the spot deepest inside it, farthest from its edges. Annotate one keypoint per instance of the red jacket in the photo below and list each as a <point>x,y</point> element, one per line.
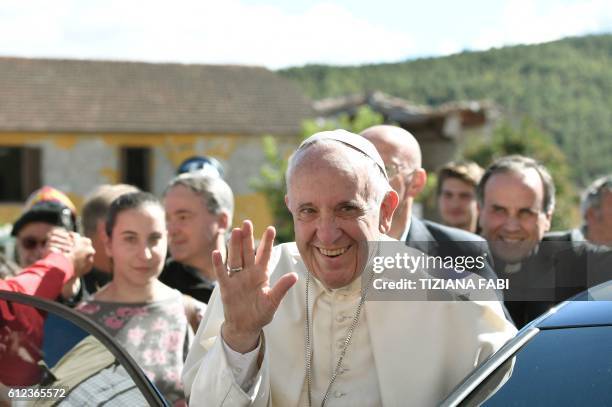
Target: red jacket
<point>21,327</point>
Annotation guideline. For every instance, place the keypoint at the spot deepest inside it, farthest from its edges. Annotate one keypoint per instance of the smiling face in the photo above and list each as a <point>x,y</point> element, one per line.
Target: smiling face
<point>457,204</point>
<point>333,215</point>
<point>512,219</point>
<point>138,245</point>
<point>193,231</point>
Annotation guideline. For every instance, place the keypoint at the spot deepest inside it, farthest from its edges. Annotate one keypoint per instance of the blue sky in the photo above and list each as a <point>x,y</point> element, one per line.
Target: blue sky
<point>281,33</point>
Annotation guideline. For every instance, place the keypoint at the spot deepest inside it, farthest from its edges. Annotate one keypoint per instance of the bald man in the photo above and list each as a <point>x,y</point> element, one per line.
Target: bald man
<point>401,154</point>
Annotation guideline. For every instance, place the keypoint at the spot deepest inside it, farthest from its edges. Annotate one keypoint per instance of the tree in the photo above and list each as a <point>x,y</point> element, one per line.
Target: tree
<point>271,181</point>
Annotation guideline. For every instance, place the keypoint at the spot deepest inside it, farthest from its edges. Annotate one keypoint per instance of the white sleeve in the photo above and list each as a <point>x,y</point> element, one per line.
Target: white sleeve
<point>243,366</point>
<point>208,374</point>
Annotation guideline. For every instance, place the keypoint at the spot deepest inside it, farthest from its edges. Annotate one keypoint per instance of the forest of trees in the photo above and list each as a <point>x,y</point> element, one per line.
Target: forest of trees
<point>564,87</point>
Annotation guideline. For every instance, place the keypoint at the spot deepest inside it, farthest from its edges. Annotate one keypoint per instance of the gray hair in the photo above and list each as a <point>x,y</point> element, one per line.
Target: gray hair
<point>520,164</point>
<point>378,185</point>
<point>97,204</point>
<point>216,194</point>
<point>593,195</point>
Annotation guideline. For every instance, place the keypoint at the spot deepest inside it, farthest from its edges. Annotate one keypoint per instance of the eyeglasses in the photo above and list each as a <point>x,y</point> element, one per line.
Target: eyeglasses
<point>31,243</point>
<point>393,169</point>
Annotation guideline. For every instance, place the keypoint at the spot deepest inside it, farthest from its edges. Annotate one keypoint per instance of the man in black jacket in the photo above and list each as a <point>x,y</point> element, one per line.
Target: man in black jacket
<point>199,211</point>
<point>402,156</point>
<point>516,196</point>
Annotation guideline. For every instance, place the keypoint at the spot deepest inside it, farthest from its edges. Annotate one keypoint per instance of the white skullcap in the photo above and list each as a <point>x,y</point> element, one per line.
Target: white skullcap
<point>354,141</point>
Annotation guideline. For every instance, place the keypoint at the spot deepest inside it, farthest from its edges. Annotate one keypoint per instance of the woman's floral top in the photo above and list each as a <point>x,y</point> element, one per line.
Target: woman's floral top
<point>155,334</point>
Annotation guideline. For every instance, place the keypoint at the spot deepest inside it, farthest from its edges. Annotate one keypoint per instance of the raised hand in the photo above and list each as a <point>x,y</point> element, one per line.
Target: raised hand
<point>83,254</point>
<point>248,300</point>
<point>74,246</point>
<point>59,240</point>
<point>78,250</point>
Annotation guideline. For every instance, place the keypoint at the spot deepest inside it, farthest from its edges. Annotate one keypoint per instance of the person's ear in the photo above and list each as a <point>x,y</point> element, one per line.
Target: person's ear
<point>107,245</point>
<point>287,203</point>
<point>418,182</point>
<point>548,220</point>
<point>102,236</point>
<point>223,221</point>
<point>387,207</point>
<point>591,216</point>
<point>479,213</point>
<point>101,229</point>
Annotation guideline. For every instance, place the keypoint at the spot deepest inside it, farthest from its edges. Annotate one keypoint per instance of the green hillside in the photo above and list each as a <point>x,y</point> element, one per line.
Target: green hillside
<point>565,86</point>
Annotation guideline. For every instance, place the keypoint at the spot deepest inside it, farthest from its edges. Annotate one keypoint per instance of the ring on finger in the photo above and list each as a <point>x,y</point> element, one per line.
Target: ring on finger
<point>235,269</point>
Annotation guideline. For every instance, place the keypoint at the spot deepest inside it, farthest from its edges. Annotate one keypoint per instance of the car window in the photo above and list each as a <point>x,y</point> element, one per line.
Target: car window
<point>55,356</point>
<point>570,366</point>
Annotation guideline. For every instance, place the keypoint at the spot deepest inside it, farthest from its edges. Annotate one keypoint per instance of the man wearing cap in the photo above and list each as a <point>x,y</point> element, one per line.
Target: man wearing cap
<point>290,325</point>
<point>46,209</point>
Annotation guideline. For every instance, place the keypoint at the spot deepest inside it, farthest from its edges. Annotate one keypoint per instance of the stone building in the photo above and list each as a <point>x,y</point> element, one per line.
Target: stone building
<point>74,124</point>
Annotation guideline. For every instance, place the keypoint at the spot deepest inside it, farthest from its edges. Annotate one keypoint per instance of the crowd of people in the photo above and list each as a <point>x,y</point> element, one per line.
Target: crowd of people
<point>291,324</point>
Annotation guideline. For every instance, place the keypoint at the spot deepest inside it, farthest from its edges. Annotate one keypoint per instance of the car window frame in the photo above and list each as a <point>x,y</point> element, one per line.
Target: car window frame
<point>148,390</point>
<point>473,380</point>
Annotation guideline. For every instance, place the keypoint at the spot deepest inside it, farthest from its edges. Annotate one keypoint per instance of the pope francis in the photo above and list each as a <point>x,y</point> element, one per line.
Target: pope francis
<point>290,325</point>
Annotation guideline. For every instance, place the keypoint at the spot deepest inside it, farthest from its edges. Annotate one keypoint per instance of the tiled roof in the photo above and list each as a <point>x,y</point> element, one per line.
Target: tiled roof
<point>404,112</point>
<point>50,95</point>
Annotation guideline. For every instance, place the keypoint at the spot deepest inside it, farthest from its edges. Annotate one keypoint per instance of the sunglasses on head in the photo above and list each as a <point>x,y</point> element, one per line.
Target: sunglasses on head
<point>30,243</point>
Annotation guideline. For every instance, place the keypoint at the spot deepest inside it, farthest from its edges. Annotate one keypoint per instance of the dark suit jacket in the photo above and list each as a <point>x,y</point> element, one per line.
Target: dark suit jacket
<point>435,239</point>
<point>439,240</point>
<point>561,268</point>
<point>187,280</point>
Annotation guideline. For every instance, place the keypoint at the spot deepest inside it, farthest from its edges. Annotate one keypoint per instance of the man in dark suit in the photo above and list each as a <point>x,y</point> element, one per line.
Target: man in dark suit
<point>516,198</point>
<point>402,156</point>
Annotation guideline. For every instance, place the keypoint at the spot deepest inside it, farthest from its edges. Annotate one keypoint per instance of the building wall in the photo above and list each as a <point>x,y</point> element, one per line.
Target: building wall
<point>76,163</point>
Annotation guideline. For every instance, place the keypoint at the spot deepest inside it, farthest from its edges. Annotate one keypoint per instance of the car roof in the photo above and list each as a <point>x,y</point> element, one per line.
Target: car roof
<point>590,308</point>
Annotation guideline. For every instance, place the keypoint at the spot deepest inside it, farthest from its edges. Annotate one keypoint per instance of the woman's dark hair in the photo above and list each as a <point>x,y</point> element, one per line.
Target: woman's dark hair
<point>132,200</point>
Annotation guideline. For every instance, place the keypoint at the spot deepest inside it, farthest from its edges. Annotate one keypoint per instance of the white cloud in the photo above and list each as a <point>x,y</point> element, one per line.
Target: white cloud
<point>530,21</point>
<point>230,31</point>
<point>196,31</point>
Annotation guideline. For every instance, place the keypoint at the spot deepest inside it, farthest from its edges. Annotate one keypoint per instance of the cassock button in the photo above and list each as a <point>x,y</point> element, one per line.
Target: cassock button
<point>339,394</point>
<point>237,370</point>
<point>340,318</point>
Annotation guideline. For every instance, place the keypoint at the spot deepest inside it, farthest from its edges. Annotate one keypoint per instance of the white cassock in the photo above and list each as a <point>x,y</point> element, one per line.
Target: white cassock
<point>402,352</point>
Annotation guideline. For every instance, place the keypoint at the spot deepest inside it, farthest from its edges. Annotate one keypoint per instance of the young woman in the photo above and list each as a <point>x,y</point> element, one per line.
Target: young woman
<point>145,316</point>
